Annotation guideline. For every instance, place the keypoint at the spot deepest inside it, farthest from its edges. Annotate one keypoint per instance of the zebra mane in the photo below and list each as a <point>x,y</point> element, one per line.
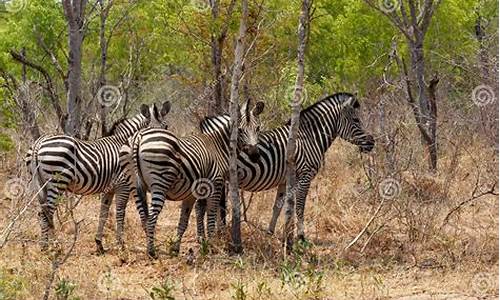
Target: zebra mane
<point>208,124</point>
<point>335,99</point>
<point>115,126</point>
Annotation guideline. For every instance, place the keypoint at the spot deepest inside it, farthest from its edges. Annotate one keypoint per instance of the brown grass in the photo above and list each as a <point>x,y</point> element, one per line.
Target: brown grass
<point>410,255</point>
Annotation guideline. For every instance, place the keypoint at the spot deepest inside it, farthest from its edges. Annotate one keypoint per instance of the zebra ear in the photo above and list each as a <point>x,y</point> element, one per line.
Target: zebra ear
<point>244,108</point>
<point>259,108</point>
<point>351,102</point>
<point>145,111</point>
<point>165,109</point>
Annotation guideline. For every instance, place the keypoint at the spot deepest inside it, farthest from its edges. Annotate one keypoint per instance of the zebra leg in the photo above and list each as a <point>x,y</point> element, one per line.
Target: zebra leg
<point>222,208</point>
<point>303,185</point>
<point>106,200</point>
<point>201,207</point>
<point>213,205</point>
<point>138,192</point>
<point>278,205</point>
<point>48,206</point>
<point>187,206</point>
<point>157,202</point>
<point>122,196</point>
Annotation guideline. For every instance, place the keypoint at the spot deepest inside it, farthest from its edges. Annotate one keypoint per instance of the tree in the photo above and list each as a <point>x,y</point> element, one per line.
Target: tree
<point>233,165</point>
<point>294,125</point>
<point>413,18</point>
<point>74,11</point>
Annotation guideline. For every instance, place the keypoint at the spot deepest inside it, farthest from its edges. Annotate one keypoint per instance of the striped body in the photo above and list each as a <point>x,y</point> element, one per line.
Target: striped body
<point>183,169</point>
<point>320,124</point>
<point>63,163</point>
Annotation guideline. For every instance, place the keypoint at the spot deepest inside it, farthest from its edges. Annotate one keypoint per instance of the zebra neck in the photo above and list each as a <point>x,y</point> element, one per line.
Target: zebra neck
<point>322,129</point>
<point>220,140</point>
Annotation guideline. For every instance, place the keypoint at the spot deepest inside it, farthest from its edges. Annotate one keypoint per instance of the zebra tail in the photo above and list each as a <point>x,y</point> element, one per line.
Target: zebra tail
<point>139,178</point>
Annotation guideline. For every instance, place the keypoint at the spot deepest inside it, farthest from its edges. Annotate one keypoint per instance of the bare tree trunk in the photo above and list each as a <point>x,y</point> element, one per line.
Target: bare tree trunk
<point>233,166</point>
<point>217,46</point>
<point>104,55</point>
<point>294,126</point>
<point>74,10</point>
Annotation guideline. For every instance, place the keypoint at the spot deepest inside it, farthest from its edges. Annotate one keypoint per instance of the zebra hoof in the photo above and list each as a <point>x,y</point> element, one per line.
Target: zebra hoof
<point>174,251</point>
<point>152,254</point>
<point>270,232</point>
<point>301,238</point>
<point>99,248</point>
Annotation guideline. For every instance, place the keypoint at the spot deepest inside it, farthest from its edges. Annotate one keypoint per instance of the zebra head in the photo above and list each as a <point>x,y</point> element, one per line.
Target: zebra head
<point>350,127</point>
<point>249,128</point>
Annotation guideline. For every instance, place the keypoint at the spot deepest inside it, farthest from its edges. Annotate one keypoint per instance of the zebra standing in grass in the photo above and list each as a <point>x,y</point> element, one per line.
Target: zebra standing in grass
<point>63,163</point>
<point>186,169</point>
<point>320,124</point>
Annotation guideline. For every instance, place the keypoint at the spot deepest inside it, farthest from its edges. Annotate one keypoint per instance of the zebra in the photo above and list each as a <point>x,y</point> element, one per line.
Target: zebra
<point>63,163</point>
<point>320,124</point>
<point>186,169</point>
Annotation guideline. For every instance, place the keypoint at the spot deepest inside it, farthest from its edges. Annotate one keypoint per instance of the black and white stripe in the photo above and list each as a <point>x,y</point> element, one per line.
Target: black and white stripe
<point>320,124</point>
<point>63,163</point>
<point>185,169</point>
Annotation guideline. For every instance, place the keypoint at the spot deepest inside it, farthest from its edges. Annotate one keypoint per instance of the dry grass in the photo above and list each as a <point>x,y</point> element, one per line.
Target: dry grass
<point>409,255</point>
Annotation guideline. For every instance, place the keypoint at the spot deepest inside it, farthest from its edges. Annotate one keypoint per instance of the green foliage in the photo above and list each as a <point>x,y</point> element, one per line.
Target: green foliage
<point>6,143</point>
<point>65,289</point>
<point>239,291</point>
<point>12,286</point>
<point>163,291</point>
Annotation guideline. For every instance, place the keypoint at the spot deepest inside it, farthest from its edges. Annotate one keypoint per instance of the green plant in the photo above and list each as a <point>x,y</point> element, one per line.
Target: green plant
<point>65,289</point>
<point>11,286</point>
<point>163,291</point>
<point>239,291</point>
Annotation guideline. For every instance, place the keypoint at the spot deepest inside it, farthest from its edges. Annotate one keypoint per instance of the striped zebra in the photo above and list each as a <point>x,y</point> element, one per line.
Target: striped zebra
<point>186,169</point>
<point>63,163</point>
<point>320,124</point>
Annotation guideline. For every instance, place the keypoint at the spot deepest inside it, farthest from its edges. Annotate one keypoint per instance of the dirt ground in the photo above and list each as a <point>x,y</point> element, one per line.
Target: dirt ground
<point>392,260</point>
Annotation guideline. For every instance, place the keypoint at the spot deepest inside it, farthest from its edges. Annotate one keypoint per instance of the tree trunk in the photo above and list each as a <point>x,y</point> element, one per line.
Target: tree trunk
<point>294,127</point>
<point>74,11</point>
<point>102,71</point>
